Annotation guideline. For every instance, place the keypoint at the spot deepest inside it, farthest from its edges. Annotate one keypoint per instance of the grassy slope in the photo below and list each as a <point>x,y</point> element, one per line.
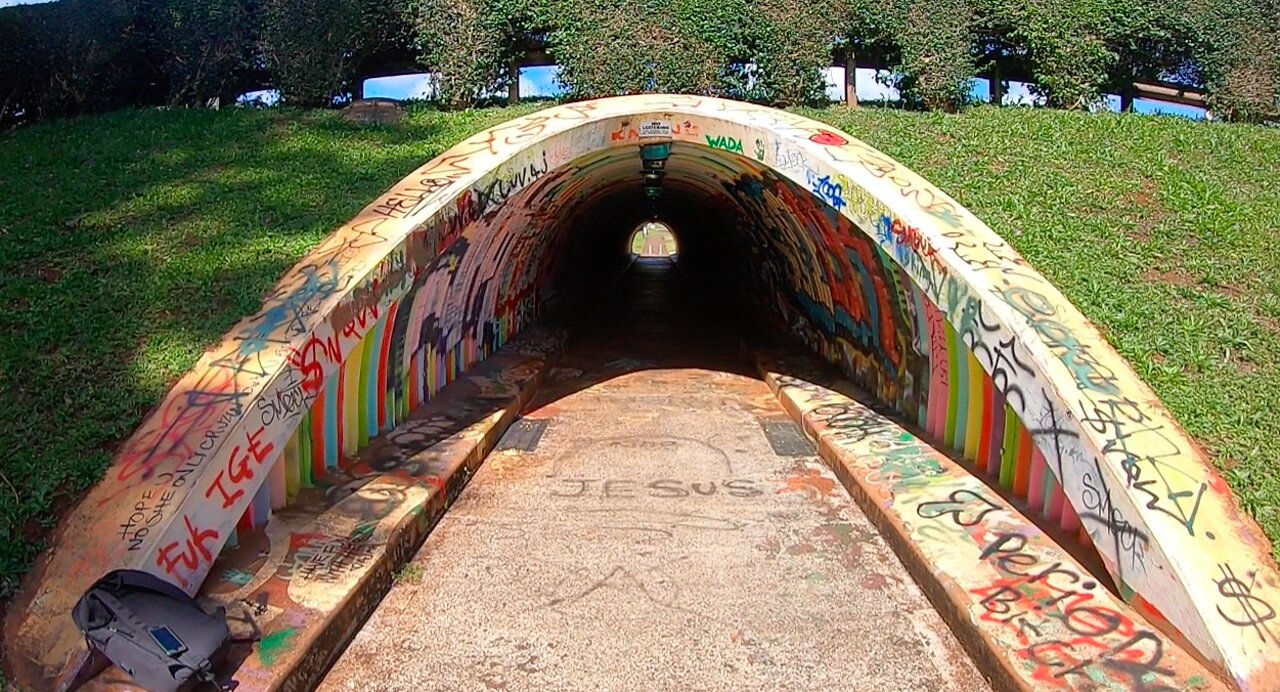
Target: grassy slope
<point>129,242</point>
<point>1162,231</point>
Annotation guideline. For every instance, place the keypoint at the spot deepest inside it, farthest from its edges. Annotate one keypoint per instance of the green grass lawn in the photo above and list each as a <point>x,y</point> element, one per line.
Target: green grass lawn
<point>130,242</point>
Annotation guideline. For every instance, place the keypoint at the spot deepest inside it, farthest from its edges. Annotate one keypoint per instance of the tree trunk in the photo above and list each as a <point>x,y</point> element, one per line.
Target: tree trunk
<point>851,79</point>
<point>513,78</point>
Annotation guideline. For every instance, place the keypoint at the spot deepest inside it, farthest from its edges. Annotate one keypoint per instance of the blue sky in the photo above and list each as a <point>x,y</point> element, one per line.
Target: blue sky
<point>1017,93</point>
<point>541,81</point>
<point>534,81</point>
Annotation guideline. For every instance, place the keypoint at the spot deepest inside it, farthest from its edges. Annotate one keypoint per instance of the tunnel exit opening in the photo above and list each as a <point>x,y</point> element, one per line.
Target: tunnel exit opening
<point>653,239</point>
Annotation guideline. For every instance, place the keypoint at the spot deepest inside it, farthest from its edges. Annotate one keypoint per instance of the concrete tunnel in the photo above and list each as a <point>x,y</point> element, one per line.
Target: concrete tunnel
<point>794,229</point>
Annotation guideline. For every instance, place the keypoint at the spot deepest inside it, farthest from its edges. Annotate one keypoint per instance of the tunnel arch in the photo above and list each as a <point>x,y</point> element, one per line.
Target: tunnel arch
<point>868,264</point>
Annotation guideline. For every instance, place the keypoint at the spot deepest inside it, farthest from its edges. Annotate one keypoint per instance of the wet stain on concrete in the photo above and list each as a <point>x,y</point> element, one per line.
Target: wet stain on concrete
<point>875,582</point>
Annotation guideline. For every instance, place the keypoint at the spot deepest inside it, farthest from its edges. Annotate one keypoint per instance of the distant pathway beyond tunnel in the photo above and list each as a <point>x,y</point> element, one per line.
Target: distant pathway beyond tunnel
<point>655,245</point>
<point>669,529</point>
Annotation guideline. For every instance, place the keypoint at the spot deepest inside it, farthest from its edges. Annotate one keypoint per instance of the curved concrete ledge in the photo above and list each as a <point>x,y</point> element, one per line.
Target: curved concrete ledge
<point>879,271</point>
<point>298,591</point>
<point>1026,610</point>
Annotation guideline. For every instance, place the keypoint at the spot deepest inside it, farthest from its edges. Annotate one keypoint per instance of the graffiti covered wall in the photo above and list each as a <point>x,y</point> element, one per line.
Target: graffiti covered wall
<point>870,265</point>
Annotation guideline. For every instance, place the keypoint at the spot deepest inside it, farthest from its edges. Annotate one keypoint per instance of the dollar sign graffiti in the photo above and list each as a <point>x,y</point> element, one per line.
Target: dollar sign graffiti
<point>1253,610</point>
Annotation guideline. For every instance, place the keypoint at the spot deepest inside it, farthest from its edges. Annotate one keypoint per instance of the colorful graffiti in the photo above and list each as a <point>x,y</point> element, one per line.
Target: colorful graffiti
<point>878,271</point>
<point>1049,623</point>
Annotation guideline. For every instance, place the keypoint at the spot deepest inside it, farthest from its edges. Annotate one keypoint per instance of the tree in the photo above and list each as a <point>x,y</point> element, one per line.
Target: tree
<point>70,57</point>
<point>463,43</point>
<point>608,47</point>
<point>309,46</point>
<point>790,43</point>
<point>936,42</point>
<point>203,46</point>
<point>388,38</point>
<point>1235,48</point>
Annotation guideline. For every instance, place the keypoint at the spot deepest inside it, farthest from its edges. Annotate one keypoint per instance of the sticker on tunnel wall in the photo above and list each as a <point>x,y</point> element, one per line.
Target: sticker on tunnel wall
<point>655,128</point>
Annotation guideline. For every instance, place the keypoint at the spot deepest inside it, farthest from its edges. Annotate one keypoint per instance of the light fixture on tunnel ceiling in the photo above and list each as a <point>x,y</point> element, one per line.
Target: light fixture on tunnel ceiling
<point>654,157</point>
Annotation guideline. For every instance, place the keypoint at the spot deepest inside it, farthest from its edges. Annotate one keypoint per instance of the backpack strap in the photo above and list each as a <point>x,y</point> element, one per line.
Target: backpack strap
<point>145,580</point>
<point>186,658</point>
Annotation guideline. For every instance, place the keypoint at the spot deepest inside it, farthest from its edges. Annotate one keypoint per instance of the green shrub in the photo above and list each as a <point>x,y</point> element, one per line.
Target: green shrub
<point>602,48</point>
<point>936,42</point>
<point>867,29</point>
<point>1147,42</point>
<point>695,44</point>
<point>1064,44</point>
<point>202,46</point>
<point>69,57</point>
<point>789,42</point>
<point>610,47</point>
<point>387,40</point>
<point>21,66</point>
<point>76,56</point>
<point>463,43</point>
<point>309,47</point>
<point>1236,47</point>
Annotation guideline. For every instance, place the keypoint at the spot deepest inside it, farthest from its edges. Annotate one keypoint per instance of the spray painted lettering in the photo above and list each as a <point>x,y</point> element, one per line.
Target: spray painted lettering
<point>729,144</point>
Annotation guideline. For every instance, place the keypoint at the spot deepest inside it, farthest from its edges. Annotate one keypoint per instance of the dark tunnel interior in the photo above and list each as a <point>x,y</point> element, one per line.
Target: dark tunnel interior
<point>737,227</point>
<point>759,256</point>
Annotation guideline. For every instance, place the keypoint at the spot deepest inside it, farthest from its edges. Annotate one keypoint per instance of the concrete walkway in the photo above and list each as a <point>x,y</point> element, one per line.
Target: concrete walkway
<point>668,529</point>
<point>654,245</point>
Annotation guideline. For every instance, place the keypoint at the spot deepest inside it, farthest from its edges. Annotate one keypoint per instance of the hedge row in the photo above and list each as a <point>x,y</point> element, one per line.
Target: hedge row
<point>74,56</point>
<point>1073,51</point>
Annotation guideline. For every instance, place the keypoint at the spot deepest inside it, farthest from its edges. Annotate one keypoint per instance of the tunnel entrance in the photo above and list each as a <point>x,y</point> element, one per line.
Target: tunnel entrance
<point>658,315</point>
<point>787,228</point>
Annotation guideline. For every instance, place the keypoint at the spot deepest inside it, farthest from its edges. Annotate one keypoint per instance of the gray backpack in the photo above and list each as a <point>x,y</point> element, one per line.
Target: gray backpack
<point>152,630</point>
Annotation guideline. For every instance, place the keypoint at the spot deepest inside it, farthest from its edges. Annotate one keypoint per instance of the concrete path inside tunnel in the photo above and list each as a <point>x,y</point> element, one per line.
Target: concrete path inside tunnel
<point>658,524</point>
